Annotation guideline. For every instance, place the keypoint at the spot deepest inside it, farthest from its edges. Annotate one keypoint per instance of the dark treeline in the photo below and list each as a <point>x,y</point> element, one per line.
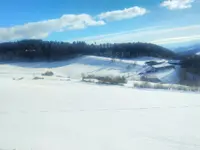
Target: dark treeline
<point>190,70</point>
<point>39,50</point>
<point>53,50</point>
<point>191,64</point>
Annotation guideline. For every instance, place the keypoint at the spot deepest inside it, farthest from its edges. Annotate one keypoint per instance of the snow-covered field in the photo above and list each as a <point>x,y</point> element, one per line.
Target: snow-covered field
<point>54,114</point>
<point>89,65</point>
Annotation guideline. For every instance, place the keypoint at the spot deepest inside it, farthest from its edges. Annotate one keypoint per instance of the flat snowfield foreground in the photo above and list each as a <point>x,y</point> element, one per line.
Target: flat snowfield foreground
<point>57,115</point>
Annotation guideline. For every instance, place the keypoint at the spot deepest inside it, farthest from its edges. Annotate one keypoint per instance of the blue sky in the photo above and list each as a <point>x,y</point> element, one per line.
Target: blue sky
<point>163,22</point>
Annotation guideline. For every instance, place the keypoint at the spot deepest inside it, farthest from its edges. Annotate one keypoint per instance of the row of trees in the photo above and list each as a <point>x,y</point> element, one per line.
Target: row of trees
<point>53,50</point>
<point>191,64</point>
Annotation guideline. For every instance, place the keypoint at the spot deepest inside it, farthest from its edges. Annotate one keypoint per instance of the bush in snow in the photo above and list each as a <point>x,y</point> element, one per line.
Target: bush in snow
<point>165,86</point>
<point>106,79</point>
<point>181,88</point>
<point>38,78</point>
<point>142,85</point>
<point>112,80</point>
<point>48,73</point>
<point>160,86</point>
<point>18,78</point>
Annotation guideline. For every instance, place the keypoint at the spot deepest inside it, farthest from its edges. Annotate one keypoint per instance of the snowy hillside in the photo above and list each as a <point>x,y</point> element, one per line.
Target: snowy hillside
<point>57,115</point>
<point>60,112</point>
<point>74,68</point>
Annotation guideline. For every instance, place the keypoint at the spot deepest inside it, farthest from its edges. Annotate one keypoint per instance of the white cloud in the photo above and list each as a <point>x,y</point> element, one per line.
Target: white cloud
<point>126,13</point>
<point>177,39</point>
<point>177,4</point>
<point>42,29</point>
<point>157,35</point>
<point>108,37</point>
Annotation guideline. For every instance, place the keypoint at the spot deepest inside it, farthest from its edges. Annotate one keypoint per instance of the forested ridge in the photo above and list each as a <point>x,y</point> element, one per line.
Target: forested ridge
<point>191,64</point>
<point>32,49</point>
<point>39,50</point>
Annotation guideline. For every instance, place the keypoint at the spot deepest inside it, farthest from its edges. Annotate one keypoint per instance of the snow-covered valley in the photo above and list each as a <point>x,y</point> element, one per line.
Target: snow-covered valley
<point>55,113</point>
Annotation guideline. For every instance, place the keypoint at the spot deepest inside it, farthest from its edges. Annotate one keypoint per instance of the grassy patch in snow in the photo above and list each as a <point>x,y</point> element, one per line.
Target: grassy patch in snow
<point>149,85</point>
<point>114,80</point>
<point>48,73</point>
<point>121,80</point>
<point>38,78</point>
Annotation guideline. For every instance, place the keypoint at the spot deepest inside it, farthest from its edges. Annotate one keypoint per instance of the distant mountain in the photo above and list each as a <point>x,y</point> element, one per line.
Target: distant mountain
<point>189,50</point>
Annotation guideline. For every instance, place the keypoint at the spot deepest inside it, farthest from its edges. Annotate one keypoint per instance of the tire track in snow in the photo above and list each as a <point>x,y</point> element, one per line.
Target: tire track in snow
<point>100,109</point>
<point>177,142</point>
